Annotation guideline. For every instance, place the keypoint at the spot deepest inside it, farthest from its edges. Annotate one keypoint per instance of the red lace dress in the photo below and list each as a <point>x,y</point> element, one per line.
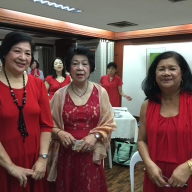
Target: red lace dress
<point>76,171</point>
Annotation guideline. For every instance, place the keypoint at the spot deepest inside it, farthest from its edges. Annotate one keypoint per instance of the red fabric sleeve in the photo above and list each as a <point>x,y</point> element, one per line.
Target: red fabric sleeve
<point>120,81</point>
<point>68,79</point>
<point>101,80</point>
<point>48,79</point>
<point>46,122</point>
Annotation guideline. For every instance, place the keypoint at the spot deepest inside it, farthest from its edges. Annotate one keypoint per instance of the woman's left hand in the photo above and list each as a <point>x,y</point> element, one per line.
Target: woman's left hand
<point>35,73</point>
<point>128,98</point>
<point>180,176</point>
<point>39,168</point>
<point>89,143</point>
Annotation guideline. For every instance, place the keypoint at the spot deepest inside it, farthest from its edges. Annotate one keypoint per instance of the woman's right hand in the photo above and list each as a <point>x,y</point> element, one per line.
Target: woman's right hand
<point>66,138</point>
<point>155,174</point>
<point>20,173</point>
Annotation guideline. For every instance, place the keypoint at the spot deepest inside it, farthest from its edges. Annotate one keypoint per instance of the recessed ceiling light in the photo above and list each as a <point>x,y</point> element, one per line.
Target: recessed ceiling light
<point>174,1</point>
<point>59,6</point>
<point>122,24</point>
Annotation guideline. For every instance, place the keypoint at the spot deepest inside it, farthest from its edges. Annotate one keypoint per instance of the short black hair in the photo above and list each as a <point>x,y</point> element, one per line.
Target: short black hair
<point>112,64</point>
<point>80,50</point>
<point>53,72</point>
<point>13,38</point>
<point>149,85</point>
<point>37,64</point>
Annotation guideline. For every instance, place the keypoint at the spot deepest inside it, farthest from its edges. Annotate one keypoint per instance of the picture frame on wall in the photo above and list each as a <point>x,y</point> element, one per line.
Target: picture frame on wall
<point>151,54</point>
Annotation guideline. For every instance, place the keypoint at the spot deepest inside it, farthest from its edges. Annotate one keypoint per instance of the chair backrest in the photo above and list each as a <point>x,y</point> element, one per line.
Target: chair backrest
<point>135,158</point>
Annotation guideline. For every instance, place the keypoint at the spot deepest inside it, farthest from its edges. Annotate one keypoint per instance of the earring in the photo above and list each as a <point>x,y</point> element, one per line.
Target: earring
<point>181,81</point>
<point>154,83</point>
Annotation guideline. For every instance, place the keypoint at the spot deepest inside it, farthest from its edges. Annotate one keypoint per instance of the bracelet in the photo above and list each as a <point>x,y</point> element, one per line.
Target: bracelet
<point>190,165</point>
<point>11,170</point>
<point>58,132</point>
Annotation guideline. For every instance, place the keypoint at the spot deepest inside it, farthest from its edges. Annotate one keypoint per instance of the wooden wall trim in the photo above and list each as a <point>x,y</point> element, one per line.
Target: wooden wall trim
<point>162,31</point>
<point>28,20</point>
<point>14,17</point>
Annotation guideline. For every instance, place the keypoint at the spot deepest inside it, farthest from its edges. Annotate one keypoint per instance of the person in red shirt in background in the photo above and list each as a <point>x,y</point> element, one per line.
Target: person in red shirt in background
<point>113,85</point>
<point>58,77</point>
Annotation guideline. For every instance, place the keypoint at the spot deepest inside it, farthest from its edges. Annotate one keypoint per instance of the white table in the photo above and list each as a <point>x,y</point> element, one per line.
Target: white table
<point>126,127</point>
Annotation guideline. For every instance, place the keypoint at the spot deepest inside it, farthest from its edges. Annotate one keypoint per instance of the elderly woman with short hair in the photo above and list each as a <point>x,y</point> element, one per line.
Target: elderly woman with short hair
<point>81,113</point>
<point>25,119</point>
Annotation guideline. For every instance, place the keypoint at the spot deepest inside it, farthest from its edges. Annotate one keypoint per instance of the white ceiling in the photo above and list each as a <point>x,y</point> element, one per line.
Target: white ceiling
<point>98,13</point>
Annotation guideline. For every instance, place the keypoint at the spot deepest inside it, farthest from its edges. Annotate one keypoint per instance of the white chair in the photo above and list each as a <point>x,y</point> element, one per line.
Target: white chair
<point>135,158</point>
<point>110,158</point>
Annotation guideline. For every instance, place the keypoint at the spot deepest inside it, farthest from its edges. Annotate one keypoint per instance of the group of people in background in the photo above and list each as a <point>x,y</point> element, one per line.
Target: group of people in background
<point>68,132</point>
<point>60,78</point>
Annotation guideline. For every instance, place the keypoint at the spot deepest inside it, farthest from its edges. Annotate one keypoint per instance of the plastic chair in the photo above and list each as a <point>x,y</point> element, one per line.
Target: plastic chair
<point>135,158</point>
<point>110,158</point>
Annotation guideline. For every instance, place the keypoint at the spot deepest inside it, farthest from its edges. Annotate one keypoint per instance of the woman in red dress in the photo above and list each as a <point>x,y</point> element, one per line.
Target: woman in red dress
<point>35,71</point>
<point>81,111</point>
<point>165,129</point>
<point>113,85</point>
<point>25,117</point>
<point>58,78</point>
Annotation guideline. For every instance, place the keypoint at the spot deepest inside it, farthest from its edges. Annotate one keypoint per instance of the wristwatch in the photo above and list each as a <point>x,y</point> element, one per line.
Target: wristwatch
<point>97,136</point>
<point>190,165</point>
<point>43,155</point>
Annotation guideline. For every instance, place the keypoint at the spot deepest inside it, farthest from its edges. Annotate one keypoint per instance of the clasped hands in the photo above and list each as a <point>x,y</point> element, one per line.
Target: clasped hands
<point>178,178</point>
<point>37,172</point>
<point>68,140</point>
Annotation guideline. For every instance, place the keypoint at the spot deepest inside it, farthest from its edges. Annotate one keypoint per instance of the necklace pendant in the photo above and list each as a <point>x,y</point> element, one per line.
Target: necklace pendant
<point>21,127</point>
<point>76,93</point>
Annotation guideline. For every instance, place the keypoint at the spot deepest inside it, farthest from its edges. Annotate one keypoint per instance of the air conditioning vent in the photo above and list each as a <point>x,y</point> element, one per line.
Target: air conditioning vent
<point>122,24</point>
<point>175,1</point>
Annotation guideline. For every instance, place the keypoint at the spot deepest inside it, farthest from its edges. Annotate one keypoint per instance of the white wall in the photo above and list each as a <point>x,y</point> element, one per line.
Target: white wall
<point>134,70</point>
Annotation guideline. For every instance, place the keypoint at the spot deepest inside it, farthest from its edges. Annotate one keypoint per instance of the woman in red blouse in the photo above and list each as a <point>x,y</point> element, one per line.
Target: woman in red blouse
<point>25,119</point>
<point>165,130</point>
<point>113,85</point>
<point>58,78</point>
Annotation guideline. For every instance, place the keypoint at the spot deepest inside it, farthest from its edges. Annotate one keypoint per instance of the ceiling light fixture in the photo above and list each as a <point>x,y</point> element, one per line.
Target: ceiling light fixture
<point>175,1</point>
<point>122,24</point>
<point>59,6</point>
